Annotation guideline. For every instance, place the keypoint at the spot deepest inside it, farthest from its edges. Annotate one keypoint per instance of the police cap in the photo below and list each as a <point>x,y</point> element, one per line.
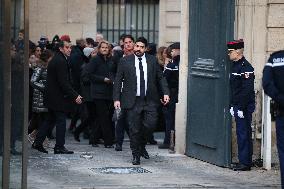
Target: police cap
<point>236,44</point>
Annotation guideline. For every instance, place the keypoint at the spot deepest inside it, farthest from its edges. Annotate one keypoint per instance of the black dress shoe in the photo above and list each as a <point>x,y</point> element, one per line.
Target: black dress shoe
<point>118,147</point>
<point>62,150</point>
<point>164,146</point>
<point>76,136</point>
<point>136,160</point>
<point>145,154</point>
<point>241,167</point>
<point>39,148</point>
<point>153,142</point>
<point>95,145</point>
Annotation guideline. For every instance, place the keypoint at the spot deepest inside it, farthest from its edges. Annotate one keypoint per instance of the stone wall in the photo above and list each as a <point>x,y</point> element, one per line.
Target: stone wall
<point>169,21</point>
<point>261,24</point>
<point>74,17</point>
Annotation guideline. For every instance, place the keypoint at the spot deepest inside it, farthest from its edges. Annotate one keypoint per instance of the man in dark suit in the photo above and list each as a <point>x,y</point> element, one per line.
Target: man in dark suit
<point>139,96</point>
<point>60,98</point>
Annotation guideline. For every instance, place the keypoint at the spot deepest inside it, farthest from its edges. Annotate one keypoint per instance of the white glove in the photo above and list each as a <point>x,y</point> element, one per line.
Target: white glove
<point>232,111</point>
<point>240,114</point>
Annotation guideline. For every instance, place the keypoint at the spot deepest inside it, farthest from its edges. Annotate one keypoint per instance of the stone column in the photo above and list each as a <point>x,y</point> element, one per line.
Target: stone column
<point>169,21</point>
<point>181,108</point>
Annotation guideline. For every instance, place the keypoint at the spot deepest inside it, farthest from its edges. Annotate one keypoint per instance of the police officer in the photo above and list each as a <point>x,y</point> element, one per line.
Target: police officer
<point>242,102</point>
<point>273,86</point>
<point>171,73</point>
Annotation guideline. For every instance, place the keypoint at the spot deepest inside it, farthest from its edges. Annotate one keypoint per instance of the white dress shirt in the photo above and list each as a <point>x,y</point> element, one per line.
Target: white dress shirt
<point>144,64</point>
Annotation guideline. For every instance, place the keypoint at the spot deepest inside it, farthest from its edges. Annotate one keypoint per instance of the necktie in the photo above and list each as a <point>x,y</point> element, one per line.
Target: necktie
<point>142,81</point>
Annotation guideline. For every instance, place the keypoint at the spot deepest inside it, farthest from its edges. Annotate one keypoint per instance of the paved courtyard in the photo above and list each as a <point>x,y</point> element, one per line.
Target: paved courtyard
<point>163,170</point>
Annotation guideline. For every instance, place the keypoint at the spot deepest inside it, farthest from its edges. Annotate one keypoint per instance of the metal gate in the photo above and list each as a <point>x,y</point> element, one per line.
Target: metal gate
<point>135,17</point>
<point>209,131</point>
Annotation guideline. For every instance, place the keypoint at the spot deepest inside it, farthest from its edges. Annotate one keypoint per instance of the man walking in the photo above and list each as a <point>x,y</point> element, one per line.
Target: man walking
<point>139,96</point>
<point>60,98</point>
<point>273,86</point>
<point>242,102</point>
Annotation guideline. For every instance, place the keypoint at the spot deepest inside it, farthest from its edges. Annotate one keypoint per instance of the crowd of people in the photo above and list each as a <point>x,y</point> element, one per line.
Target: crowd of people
<point>129,86</point>
<point>79,81</point>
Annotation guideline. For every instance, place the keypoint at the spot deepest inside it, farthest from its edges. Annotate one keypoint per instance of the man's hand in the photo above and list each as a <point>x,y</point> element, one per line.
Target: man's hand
<point>241,114</point>
<point>116,104</point>
<point>166,99</point>
<point>79,99</point>
<point>107,80</point>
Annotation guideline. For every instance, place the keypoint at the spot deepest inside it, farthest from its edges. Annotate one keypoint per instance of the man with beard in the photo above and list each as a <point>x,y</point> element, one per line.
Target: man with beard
<point>139,97</point>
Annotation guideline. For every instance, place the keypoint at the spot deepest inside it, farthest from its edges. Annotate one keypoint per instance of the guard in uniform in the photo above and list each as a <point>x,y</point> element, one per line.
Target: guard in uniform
<point>242,102</point>
<point>171,73</point>
<point>273,86</point>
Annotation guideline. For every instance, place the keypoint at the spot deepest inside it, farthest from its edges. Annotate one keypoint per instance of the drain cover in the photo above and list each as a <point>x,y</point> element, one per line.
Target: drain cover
<point>121,170</point>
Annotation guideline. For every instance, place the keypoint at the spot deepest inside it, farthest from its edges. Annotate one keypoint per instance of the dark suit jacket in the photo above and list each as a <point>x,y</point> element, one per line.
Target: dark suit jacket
<point>59,94</point>
<point>126,73</point>
<point>77,59</point>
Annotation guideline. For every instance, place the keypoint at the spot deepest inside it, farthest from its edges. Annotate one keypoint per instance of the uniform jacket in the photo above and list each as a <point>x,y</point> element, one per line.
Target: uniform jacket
<point>242,84</point>
<point>273,78</point>
<point>171,73</point>
<point>127,74</point>
<point>38,82</point>
<point>59,94</point>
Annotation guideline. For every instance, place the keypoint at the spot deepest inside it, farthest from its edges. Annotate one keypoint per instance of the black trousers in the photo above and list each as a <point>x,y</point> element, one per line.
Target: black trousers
<point>60,121</point>
<point>142,119</point>
<point>120,127</point>
<point>87,117</point>
<point>37,119</point>
<point>103,113</point>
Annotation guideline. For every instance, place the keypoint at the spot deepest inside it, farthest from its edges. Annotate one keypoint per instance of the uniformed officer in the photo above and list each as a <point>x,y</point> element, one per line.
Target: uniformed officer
<point>273,86</point>
<point>242,102</point>
<point>171,73</point>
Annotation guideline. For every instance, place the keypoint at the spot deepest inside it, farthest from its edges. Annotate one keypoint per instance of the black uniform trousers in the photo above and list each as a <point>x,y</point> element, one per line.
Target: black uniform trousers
<point>244,132</point>
<point>280,144</point>
<point>142,119</point>
<point>169,113</point>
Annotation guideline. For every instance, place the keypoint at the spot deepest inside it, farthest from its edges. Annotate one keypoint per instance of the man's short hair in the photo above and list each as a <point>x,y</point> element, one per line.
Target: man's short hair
<point>90,41</point>
<point>62,43</point>
<point>129,37</point>
<point>80,41</point>
<point>22,31</point>
<point>142,40</point>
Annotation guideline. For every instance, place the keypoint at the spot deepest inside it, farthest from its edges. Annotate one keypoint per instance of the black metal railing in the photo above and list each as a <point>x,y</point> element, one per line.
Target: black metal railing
<point>135,17</point>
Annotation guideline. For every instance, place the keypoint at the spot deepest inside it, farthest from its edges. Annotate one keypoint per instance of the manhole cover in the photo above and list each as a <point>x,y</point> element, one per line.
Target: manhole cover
<point>121,170</point>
